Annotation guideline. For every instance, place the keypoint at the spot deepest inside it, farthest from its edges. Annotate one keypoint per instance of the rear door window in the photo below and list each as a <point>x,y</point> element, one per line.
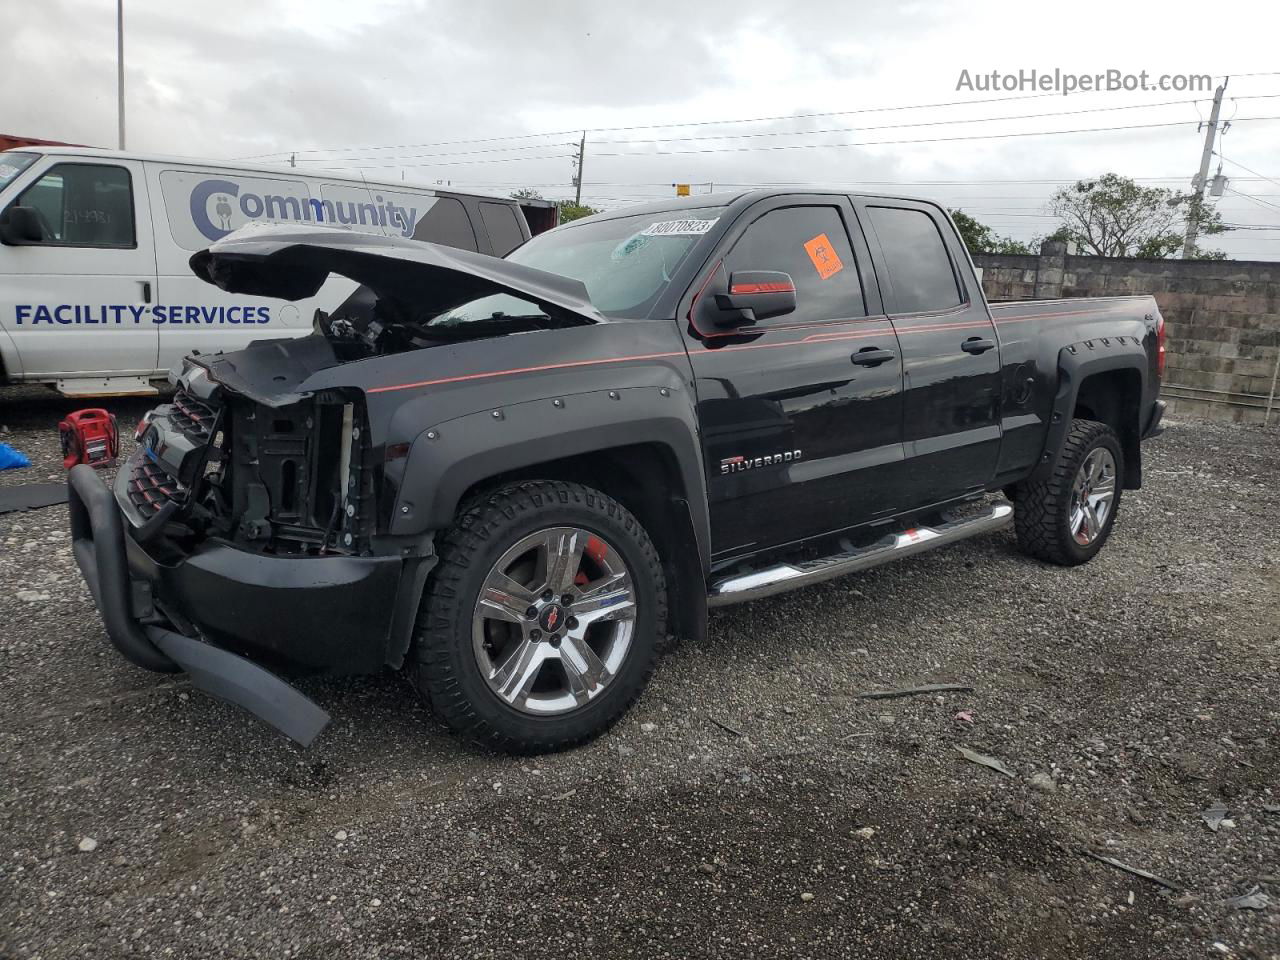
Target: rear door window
<point>503,227</point>
<point>810,244</point>
<point>920,270</point>
<point>83,205</point>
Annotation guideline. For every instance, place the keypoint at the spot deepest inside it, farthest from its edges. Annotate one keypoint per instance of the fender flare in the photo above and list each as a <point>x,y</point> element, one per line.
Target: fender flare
<point>449,458</point>
<point>1076,363</point>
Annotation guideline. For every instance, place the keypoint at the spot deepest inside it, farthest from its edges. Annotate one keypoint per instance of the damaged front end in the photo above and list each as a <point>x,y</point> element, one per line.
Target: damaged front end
<point>254,527</point>
<point>249,544</point>
<point>251,527</point>
<point>292,480</point>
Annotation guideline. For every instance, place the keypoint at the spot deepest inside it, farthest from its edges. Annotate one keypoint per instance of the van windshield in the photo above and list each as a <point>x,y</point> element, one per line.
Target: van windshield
<point>12,164</point>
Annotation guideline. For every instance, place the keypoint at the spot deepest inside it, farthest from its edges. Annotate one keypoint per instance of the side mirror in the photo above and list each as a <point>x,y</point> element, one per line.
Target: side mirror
<point>755,295</point>
<point>20,227</point>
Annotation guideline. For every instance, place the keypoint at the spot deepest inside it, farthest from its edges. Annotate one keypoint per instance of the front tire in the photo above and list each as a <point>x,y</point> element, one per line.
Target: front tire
<point>540,625</point>
<point>1068,517</point>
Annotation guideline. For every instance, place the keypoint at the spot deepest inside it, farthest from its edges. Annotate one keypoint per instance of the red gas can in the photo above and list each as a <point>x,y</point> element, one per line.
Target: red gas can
<point>89,436</point>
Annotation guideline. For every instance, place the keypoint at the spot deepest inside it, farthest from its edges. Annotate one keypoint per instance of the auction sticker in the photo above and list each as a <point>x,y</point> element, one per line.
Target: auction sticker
<point>678,228</point>
<point>824,258</point>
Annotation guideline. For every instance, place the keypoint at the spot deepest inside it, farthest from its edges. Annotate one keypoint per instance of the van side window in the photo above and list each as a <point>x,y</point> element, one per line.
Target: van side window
<point>446,223</point>
<point>504,229</point>
<point>83,205</point>
<point>919,267</point>
<point>810,244</point>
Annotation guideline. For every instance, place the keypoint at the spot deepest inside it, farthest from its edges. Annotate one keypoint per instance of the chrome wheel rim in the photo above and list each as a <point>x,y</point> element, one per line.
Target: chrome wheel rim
<point>554,621</point>
<point>1092,496</point>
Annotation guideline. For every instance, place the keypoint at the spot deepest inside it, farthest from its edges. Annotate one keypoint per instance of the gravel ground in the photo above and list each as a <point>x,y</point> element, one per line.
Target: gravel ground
<point>1125,697</point>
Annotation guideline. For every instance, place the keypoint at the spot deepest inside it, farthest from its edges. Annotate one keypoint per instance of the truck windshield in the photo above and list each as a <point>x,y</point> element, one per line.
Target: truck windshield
<point>624,262</point>
<point>12,164</point>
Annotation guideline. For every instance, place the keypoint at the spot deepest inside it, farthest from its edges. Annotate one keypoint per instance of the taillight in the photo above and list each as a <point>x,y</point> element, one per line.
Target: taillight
<point>1160,351</point>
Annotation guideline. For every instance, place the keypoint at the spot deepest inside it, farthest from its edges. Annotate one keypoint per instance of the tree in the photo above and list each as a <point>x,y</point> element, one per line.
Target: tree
<point>568,209</point>
<point>574,211</point>
<point>980,238</point>
<point>1113,216</point>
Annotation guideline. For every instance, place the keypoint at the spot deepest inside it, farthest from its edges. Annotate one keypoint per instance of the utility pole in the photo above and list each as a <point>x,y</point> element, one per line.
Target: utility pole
<point>120,68</point>
<point>577,179</point>
<point>1193,219</point>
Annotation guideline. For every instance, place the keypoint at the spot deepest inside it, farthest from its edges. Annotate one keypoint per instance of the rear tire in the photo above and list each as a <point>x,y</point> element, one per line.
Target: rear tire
<point>540,625</point>
<point>1066,518</point>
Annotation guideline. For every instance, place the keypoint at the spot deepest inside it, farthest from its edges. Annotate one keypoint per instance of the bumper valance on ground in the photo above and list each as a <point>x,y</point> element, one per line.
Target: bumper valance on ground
<point>98,543</point>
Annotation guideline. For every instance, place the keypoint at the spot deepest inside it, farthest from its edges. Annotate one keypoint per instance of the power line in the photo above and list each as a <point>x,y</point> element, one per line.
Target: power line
<point>896,126</point>
<point>456,153</point>
<point>819,183</point>
<point>669,126</point>
<point>1262,203</point>
<point>771,133</point>
<point>879,143</point>
<point>414,146</point>
<point>460,163</point>
<point>1248,170</point>
<point>829,146</point>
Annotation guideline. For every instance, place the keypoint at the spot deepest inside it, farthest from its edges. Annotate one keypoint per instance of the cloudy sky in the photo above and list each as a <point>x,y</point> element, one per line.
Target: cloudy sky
<point>390,86</point>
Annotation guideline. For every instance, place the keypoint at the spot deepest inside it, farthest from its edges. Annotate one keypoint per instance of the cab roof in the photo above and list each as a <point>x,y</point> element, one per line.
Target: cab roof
<point>741,198</point>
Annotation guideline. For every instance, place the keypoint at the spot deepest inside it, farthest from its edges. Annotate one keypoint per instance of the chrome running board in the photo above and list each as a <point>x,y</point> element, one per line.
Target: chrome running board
<point>788,576</point>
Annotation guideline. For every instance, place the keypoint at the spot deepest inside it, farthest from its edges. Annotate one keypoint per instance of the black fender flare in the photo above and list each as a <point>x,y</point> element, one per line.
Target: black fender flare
<point>1076,363</point>
<point>449,458</point>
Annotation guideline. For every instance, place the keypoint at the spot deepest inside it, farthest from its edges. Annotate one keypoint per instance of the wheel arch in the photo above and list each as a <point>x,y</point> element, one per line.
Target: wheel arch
<point>647,479</point>
<point>1114,397</point>
<point>637,444</point>
<point>1101,380</point>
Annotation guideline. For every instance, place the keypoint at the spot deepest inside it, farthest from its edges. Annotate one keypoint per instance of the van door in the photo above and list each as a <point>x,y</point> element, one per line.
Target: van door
<point>76,303</point>
<point>193,208</point>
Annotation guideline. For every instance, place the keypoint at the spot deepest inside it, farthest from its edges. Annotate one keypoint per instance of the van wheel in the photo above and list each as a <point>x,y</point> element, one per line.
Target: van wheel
<point>540,625</point>
<point>1067,518</point>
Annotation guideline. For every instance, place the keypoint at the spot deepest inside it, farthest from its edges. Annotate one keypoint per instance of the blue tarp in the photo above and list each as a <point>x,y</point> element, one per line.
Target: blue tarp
<point>11,458</point>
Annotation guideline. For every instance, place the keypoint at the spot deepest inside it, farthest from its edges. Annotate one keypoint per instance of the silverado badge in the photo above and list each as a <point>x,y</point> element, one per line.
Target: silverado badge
<point>739,464</point>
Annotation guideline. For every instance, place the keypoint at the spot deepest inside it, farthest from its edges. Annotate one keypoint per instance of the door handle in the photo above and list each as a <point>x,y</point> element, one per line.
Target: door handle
<point>977,345</point>
<point>872,356</point>
<point>146,290</point>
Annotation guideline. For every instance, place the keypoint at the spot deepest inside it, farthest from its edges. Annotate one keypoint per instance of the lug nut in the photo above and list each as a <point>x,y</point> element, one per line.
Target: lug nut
<point>572,623</point>
<point>567,599</point>
<point>535,635</point>
<point>548,596</point>
<point>532,613</point>
<point>555,640</point>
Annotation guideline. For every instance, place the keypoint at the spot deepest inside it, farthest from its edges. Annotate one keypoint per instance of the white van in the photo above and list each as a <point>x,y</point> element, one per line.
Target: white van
<point>95,293</point>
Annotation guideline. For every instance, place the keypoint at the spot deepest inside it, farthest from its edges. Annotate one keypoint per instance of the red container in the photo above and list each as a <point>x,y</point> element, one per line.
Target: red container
<point>89,436</point>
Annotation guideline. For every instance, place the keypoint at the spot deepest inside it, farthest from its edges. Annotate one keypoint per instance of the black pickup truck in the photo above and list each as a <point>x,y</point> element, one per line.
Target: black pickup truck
<point>515,477</point>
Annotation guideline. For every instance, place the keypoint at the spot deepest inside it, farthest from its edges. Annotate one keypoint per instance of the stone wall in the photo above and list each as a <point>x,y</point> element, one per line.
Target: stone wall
<point>1222,317</point>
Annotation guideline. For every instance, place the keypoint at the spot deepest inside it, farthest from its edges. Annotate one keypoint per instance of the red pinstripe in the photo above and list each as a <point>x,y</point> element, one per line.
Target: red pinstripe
<point>906,328</point>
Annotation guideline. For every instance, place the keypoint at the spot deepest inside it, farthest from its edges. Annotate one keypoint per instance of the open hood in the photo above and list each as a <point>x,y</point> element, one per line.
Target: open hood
<point>293,262</point>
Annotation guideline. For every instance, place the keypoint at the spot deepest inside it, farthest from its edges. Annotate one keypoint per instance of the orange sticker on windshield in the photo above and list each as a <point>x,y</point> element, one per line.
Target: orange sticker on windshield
<point>823,256</point>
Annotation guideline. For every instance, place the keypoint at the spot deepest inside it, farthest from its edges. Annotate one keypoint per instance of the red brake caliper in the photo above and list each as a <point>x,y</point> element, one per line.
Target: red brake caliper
<point>596,551</point>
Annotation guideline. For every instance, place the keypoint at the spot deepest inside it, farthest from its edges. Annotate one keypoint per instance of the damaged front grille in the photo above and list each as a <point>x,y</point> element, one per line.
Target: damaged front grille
<point>150,489</point>
<point>193,417</point>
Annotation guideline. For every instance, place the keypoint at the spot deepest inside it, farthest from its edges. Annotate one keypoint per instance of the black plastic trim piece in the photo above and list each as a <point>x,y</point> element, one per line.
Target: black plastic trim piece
<point>97,541</point>
<point>230,677</point>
